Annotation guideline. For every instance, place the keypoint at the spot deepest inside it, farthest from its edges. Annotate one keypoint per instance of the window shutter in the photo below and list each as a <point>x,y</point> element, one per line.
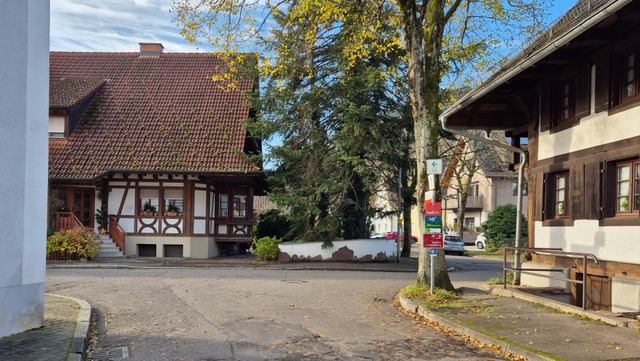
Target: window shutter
<point>609,189</point>
<point>583,82</point>
<point>592,190</point>
<point>545,107</point>
<point>577,192</point>
<point>603,82</point>
<point>615,81</point>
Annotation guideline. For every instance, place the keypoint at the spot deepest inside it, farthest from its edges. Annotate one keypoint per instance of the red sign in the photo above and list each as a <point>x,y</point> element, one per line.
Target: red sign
<point>432,209</point>
<point>433,240</point>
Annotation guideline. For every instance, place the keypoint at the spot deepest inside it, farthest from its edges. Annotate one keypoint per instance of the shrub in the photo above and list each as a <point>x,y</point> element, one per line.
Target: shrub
<point>500,228</point>
<point>74,242</point>
<point>272,224</point>
<point>267,248</point>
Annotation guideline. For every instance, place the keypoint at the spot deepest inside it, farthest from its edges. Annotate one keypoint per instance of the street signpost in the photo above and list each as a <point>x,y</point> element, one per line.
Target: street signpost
<point>433,237</point>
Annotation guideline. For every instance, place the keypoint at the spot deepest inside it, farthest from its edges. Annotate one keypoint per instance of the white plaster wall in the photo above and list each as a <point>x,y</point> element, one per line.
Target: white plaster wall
<point>193,247</point>
<point>24,99</point>
<point>587,236</point>
<point>594,130</point>
<point>360,247</point>
<point>200,201</point>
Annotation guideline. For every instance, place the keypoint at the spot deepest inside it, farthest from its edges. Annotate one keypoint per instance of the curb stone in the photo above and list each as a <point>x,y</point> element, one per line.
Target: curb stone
<point>465,331</point>
<point>78,349</point>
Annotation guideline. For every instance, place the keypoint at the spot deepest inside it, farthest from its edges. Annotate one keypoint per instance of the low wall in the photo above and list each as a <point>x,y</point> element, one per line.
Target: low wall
<point>355,250</point>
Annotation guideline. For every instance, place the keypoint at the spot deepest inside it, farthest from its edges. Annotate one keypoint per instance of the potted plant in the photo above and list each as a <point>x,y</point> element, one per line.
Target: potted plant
<point>148,209</point>
<point>624,204</point>
<point>102,218</point>
<point>172,210</point>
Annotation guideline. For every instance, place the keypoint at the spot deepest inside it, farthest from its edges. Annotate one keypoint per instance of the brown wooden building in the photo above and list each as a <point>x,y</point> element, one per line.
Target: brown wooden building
<point>153,138</point>
<point>574,95</point>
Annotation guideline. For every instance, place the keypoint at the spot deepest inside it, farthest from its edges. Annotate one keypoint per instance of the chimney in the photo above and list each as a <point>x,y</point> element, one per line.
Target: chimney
<point>150,49</point>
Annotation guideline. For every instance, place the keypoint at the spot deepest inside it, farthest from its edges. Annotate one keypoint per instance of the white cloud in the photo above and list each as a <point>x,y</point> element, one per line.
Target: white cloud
<point>113,25</point>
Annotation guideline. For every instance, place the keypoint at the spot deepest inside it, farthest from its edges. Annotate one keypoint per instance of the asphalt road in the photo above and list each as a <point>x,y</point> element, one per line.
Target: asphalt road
<point>241,314</point>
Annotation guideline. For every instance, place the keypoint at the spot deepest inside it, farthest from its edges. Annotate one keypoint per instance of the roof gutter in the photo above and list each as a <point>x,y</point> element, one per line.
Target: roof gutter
<point>545,51</point>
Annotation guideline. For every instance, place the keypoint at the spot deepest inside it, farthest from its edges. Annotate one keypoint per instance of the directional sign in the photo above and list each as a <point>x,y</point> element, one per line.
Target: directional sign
<point>434,166</point>
<point>433,240</point>
<point>433,251</point>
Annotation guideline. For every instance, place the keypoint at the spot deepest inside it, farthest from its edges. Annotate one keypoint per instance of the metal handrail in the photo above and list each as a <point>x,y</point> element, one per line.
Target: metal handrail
<point>550,251</point>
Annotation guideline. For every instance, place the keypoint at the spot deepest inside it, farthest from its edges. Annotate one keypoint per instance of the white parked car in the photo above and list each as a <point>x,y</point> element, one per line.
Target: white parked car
<point>453,244</point>
<point>480,241</point>
<point>377,235</point>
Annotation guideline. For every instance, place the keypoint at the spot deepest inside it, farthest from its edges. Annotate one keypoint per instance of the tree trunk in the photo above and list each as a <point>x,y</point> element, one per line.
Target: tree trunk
<point>423,47</point>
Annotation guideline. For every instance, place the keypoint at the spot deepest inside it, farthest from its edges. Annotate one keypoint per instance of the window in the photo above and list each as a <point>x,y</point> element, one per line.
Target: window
<point>239,206</point>
<point>149,199</point>
<point>627,187</point>
<point>224,205</point>
<point>630,77</point>
<point>567,101</point>
<point>557,196</point>
<point>173,201</point>
<point>560,194</point>
<point>474,190</point>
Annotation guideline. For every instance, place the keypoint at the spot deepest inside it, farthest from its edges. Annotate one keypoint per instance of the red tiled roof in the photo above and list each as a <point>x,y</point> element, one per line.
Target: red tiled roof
<point>154,114</point>
<point>65,93</point>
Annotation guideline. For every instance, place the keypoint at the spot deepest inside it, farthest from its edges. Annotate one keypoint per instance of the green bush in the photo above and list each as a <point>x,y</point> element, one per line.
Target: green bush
<point>500,228</point>
<point>267,248</point>
<point>78,242</point>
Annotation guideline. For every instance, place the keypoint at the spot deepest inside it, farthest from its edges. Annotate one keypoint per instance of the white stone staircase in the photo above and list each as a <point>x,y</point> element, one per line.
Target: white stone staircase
<point>109,250</point>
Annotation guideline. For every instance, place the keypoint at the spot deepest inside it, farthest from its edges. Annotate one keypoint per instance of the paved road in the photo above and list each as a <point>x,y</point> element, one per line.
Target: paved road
<point>227,314</point>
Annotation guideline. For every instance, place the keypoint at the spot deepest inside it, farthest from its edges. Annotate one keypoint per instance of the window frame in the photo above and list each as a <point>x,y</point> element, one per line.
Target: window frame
<point>625,83</point>
<point>565,102</point>
<point>632,194</point>
<point>551,194</point>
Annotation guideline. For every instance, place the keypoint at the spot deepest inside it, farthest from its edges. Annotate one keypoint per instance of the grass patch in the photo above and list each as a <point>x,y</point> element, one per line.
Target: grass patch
<point>443,301</point>
<point>498,280</point>
<point>484,254</point>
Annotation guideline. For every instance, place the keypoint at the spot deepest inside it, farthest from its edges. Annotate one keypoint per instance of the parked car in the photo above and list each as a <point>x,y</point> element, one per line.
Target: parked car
<point>377,235</point>
<point>394,235</point>
<point>480,241</point>
<point>453,244</point>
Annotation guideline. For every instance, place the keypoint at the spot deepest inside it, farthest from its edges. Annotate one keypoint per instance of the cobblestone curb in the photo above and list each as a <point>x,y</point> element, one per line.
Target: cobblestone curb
<point>78,349</point>
<point>468,332</point>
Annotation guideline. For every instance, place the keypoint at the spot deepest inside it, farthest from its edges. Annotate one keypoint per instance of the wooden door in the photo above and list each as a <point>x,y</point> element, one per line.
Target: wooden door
<point>81,201</point>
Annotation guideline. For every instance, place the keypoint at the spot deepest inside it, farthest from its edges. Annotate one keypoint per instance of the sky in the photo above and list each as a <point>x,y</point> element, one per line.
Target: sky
<point>119,25</point>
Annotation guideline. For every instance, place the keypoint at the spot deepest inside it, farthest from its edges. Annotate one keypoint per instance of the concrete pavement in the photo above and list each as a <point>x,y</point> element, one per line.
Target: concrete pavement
<point>521,323</point>
<point>63,336</point>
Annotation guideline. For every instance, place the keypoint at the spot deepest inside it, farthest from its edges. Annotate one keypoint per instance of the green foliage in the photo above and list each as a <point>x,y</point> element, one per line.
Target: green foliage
<point>267,248</point>
<point>273,223</point>
<point>498,280</point>
<point>500,227</point>
<point>102,216</point>
<point>77,241</point>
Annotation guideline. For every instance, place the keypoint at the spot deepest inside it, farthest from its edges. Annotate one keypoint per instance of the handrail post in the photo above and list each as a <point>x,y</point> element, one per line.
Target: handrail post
<point>504,268</point>
<point>584,282</point>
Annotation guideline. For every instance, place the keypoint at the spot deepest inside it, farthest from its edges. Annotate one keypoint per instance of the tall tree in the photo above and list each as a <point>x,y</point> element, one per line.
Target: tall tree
<point>440,37</point>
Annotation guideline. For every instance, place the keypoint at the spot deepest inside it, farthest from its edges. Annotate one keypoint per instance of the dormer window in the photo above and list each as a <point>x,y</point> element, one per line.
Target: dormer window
<point>57,125</point>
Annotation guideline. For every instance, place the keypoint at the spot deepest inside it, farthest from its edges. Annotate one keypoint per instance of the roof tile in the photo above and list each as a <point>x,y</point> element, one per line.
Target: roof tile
<point>153,114</point>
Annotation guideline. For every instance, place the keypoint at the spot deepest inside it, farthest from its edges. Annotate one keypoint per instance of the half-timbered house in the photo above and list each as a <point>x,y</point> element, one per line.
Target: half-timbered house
<point>574,95</point>
<point>151,136</point>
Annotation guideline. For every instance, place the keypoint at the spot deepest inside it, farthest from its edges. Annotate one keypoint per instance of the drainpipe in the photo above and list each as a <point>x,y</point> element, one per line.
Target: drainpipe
<point>523,162</point>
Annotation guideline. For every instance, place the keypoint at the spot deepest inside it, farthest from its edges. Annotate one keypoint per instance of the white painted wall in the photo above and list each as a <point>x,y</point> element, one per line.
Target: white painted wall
<point>361,248</point>
<point>607,243</point>
<point>24,109</point>
<point>594,130</point>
